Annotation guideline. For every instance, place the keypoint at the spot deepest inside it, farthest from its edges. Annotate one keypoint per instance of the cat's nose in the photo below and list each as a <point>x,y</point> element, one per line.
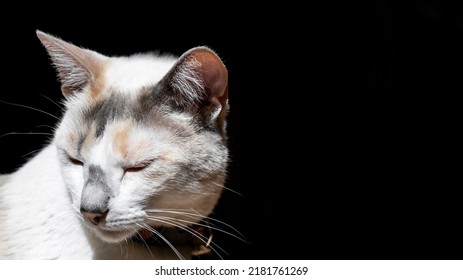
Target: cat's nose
<point>94,218</point>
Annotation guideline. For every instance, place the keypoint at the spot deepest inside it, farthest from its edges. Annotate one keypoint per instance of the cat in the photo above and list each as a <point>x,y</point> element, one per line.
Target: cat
<point>136,164</point>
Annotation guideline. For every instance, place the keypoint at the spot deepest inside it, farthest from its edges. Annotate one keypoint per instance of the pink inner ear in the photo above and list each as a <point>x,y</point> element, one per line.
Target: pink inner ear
<point>213,73</point>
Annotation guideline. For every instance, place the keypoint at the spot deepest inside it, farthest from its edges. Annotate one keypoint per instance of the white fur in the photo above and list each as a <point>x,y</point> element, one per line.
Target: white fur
<point>3,179</point>
<point>130,74</point>
<point>31,206</point>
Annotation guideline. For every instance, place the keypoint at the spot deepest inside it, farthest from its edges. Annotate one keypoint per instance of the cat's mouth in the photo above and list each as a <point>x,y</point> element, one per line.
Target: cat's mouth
<point>144,234</point>
<point>115,231</point>
<point>114,235</point>
<point>125,232</point>
<point>119,230</point>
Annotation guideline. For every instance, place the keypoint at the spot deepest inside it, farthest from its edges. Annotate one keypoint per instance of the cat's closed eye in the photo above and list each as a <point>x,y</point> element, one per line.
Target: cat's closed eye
<point>138,167</point>
<point>75,161</point>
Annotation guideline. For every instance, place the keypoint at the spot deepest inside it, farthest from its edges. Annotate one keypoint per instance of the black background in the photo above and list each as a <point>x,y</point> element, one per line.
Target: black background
<point>342,121</point>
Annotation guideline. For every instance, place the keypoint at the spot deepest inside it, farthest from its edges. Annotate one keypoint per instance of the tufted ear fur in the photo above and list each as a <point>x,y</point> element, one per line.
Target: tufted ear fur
<point>198,82</point>
<point>76,67</point>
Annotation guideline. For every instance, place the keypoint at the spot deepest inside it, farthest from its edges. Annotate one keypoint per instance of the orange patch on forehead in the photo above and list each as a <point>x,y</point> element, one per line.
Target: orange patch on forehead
<point>97,83</point>
<point>86,144</point>
<point>127,144</point>
<point>121,138</point>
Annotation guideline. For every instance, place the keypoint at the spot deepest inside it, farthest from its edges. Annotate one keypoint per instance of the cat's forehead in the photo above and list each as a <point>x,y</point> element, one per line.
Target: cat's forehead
<point>122,91</point>
<point>141,108</point>
<point>121,123</point>
<point>128,75</point>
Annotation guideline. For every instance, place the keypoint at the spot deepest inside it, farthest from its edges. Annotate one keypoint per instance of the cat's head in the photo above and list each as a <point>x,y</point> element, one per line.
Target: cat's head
<point>142,140</point>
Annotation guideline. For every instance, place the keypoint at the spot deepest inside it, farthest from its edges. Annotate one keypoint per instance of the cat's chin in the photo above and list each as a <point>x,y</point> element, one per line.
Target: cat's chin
<point>113,236</point>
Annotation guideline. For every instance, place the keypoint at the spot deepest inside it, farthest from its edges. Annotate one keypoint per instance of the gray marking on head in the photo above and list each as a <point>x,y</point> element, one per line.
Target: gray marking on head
<point>153,105</point>
<point>116,107</point>
<point>108,110</point>
<point>96,192</point>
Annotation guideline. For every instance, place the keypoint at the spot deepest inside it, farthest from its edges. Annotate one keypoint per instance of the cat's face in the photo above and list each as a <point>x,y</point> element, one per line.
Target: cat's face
<point>142,140</point>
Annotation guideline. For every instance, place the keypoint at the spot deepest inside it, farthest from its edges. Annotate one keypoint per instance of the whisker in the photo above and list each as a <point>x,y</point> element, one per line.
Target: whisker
<point>59,106</point>
<point>142,239</point>
<point>206,240</point>
<point>122,249</point>
<point>208,226</point>
<point>198,235</point>
<point>182,213</point>
<point>226,188</point>
<point>48,126</point>
<point>196,215</point>
<point>131,243</point>
<point>221,222</point>
<point>29,107</point>
<point>179,255</point>
<point>27,133</point>
<point>34,151</point>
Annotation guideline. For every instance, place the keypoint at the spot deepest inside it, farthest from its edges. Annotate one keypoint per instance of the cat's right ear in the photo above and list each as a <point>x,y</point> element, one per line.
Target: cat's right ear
<point>77,67</point>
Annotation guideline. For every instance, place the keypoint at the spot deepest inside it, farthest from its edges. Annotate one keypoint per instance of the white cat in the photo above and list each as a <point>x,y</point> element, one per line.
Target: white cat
<point>139,152</point>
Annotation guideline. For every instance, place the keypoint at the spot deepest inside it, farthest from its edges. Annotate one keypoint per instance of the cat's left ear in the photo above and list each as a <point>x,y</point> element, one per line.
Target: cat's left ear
<point>77,67</point>
<point>198,82</point>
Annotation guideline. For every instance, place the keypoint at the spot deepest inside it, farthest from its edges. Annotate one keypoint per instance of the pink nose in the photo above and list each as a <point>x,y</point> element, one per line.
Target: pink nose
<point>94,218</point>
